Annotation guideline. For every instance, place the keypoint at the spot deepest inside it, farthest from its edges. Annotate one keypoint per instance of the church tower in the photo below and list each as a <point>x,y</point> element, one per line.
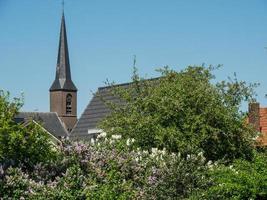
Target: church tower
<point>63,92</point>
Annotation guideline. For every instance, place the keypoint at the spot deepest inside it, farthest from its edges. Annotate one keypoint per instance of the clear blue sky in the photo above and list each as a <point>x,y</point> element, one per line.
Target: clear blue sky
<point>104,35</point>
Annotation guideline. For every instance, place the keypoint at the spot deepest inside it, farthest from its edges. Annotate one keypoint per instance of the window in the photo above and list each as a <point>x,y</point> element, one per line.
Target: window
<point>68,103</point>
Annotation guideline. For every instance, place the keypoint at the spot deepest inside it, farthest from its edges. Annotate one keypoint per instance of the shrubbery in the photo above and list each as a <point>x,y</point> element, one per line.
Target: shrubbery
<point>20,144</point>
<point>241,180</point>
<point>105,171</point>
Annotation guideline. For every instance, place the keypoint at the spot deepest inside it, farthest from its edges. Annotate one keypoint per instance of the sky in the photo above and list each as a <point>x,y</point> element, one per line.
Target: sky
<point>104,35</point>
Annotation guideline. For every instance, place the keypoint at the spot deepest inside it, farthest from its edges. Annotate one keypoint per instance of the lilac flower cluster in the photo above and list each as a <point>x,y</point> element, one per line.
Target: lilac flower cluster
<point>109,168</point>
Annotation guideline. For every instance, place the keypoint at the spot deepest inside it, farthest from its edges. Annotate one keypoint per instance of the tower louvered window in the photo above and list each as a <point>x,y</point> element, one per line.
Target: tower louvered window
<point>68,103</point>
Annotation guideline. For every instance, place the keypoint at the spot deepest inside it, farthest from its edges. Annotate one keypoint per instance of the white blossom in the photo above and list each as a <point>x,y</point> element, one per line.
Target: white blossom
<point>163,151</point>
<point>116,137</point>
<point>102,135</point>
<point>209,164</point>
<point>154,150</point>
<point>145,151</point>
<point>128,142</point>
<point>92,141</point>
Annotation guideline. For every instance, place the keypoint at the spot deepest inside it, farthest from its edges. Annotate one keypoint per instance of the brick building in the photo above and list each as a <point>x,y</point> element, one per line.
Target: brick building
<point>257,116</point>
<point>63,92</point>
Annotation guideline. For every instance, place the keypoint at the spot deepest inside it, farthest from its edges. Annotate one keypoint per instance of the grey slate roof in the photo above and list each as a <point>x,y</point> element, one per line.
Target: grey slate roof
<point>96,110</point>
<point>63,75</point>
<point>48,120</point>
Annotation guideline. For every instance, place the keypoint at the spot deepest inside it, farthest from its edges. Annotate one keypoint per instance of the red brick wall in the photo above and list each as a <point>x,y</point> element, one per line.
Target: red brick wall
<point>257,116</point>
<point>263,125</point>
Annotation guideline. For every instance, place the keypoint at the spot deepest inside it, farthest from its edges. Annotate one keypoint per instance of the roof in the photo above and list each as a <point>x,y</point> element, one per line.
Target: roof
<point>96,111</point>
<point>63,75</point>
<point>48,120</point>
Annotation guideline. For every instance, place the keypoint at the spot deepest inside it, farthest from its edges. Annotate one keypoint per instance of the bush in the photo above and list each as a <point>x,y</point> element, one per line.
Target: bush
<point>241,180</point>
<point>15,183</point>
<point>21,145</point>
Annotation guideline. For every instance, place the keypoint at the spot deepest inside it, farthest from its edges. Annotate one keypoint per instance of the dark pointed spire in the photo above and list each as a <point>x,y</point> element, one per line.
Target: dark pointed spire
<point>63,75</point>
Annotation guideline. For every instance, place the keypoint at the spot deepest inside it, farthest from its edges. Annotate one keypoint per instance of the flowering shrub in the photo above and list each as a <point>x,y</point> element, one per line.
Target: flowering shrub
<point>15,184</point>
<point>108,168</point>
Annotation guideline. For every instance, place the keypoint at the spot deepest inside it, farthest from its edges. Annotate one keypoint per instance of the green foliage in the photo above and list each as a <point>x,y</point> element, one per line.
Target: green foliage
<point>20,145</point>
<point>242,180</point>
<point>184,111</point>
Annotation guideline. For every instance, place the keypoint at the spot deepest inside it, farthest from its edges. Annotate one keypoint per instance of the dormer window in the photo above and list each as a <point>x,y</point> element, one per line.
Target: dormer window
<point>68,103</point>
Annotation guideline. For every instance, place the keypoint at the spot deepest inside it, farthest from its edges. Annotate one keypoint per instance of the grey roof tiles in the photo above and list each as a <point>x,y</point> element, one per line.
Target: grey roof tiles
<point>96,110</point>
<point>48,120</point>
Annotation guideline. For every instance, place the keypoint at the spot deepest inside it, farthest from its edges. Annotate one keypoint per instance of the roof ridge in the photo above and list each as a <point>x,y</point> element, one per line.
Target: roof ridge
<point>127,83</point>
<point>62,123</point>
<point>36,112</point>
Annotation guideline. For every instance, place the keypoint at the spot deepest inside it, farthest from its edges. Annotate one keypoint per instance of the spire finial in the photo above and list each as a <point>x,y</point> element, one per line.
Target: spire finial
<point>134,61</point>
<point>63,5</point>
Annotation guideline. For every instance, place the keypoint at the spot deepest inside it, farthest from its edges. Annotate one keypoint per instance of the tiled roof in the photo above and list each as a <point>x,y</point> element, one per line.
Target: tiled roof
<point>48,120</point>
<point>96,110</point>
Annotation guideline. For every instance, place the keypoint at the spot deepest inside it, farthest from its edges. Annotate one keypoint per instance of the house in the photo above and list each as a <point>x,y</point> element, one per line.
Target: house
<point>257,116</point>
<point>49,122</point>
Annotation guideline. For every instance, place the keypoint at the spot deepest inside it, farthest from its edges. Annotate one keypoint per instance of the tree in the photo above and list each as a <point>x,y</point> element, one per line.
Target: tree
<point>20,145</point>
<point>186,112</point>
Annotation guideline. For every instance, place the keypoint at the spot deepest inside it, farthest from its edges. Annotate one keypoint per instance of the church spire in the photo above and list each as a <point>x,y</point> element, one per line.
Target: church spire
<point>63,93</point>
<point>63,75</point>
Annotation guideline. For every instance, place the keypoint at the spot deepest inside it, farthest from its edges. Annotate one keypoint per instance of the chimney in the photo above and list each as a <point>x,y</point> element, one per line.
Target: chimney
<point>254,115</point>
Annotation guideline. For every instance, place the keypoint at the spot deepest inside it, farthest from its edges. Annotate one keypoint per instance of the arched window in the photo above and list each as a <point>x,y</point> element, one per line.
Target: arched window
<point>68,103</point>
